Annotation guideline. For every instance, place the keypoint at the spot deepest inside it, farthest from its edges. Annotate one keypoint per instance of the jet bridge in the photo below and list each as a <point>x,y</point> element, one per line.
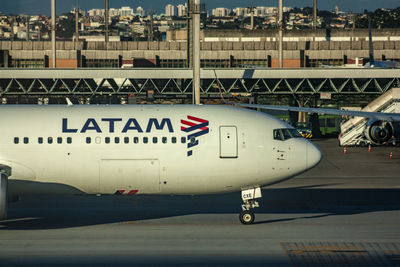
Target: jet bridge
<point>353,131</point>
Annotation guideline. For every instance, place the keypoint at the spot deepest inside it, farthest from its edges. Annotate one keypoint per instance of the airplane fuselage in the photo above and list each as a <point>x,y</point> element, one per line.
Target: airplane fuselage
<point>182,149</point>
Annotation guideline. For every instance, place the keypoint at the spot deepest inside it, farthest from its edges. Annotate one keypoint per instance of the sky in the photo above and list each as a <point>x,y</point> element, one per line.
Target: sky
<point>32,7</point>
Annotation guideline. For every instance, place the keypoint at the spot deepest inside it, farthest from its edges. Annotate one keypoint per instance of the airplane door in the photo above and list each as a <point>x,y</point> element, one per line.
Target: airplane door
<point>129,176</point>
<point>228,142</point>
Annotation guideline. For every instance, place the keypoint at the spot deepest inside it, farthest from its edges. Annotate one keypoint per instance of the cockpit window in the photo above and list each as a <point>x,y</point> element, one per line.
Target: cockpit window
<point>278,134</point>
<point>285,134</point>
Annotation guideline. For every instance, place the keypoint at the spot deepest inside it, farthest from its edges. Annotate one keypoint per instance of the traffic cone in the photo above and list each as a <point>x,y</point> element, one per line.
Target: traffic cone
<point>344,150</point>
<point>391,155</point>
<point>369,148</point>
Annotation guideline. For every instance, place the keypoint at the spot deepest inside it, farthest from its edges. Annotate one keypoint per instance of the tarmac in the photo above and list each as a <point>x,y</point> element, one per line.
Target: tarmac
<point>344,212</point>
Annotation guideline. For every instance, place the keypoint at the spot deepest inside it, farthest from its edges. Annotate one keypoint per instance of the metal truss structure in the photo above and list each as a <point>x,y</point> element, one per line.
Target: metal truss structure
<point>178,82</point>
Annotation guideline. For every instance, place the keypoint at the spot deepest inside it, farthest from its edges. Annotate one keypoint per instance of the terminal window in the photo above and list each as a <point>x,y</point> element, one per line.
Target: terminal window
<point>172,63</point>
<point>243,63</point>
<point>27,63</point>
<point>101,63</point>
<point>215,63</point>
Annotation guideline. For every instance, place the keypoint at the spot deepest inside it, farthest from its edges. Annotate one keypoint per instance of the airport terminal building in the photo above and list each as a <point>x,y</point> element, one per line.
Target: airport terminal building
<point>219,49</point>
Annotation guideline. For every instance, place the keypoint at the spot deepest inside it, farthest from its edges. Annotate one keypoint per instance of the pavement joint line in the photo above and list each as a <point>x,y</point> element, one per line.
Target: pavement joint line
<point>333,253</point>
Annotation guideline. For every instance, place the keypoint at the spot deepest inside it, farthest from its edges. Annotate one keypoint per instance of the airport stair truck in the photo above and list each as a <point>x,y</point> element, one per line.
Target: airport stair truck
<point>359,131</point>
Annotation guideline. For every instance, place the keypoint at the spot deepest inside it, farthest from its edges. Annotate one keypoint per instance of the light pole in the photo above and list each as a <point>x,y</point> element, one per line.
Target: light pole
<point>280,25</point>
<point>315,14</point>
<point>106,35</point>
<point>196,10</point>
<point>53,33</point>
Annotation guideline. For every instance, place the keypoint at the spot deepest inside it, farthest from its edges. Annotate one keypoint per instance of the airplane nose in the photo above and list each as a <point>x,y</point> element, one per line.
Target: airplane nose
<point>314,155</point>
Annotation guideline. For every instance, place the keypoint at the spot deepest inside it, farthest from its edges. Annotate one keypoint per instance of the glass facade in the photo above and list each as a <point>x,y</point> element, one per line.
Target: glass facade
<point>27,63</point>
<point>101,63</point>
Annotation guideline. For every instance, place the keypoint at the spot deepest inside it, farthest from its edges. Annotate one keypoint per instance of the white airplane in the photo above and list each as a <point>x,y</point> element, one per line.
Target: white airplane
<point>151,149</point>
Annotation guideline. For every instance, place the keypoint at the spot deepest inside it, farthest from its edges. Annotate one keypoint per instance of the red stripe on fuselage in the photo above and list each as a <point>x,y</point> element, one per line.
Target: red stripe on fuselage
<point>188,123</point>
<point>196,119</point>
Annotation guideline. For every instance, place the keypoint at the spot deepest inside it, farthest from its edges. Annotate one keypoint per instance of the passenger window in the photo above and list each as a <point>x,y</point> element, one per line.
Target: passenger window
<point>183,140</point>
<point>40,140</point>
<point>26,140</point>
<point>88,140</point>
<point>69,140</point>
<point>145,140</point>
<point>155,140</point>
<point>107,140</point>
<point>50,140</point>
<point>16,140</point>
<point>164,140</point>
<point>173,140</point>
<point>59,140</point>
<point>126,140</point>
<point>135,140</point>
<point>116,140</point>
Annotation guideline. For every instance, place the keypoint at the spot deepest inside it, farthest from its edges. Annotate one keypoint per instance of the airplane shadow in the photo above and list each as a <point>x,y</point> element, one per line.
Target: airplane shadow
<point>56,212</point>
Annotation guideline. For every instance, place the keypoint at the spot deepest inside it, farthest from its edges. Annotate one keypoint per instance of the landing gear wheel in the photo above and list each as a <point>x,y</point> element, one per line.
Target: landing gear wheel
<point>248,196</point>
<point>246,217</point>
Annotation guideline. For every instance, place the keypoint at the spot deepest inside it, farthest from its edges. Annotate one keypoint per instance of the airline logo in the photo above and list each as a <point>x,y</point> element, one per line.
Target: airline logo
<point>194,127</point>
<point>109,125</point>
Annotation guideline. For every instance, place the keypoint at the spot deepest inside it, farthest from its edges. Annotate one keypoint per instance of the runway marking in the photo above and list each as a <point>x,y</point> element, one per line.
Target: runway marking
<point>342,253</point>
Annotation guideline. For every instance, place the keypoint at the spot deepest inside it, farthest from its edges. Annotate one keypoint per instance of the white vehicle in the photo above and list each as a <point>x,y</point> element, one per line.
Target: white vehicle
<point>150,149</point>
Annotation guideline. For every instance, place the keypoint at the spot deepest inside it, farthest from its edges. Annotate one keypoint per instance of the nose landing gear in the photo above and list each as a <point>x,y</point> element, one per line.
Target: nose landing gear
<point>249,195</point>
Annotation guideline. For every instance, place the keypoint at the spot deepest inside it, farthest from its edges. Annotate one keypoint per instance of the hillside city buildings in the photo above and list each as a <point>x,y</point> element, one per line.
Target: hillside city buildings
<point>132,23</point>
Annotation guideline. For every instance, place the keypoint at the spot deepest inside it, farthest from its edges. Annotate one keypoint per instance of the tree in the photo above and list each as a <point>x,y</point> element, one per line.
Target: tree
<point>65,28</point>
<point>380,18</point>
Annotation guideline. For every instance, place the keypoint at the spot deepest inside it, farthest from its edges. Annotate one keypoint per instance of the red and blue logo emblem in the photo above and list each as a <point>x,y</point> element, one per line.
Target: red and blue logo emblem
<point>195,127</point>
